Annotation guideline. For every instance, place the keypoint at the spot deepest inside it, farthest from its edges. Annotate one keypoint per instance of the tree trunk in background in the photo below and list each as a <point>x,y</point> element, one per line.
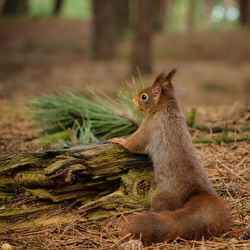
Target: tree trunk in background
<point>159,12</point>
<point>245,12</point>
<point>104,30</point>
<point>121,12</point>
<point>191,16</point>
<point>142,47</point>
<point>14,7</point>
<point>57,6</point>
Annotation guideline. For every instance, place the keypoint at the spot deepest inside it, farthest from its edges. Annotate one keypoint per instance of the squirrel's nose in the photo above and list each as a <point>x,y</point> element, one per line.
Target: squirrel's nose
<point>133,100</point>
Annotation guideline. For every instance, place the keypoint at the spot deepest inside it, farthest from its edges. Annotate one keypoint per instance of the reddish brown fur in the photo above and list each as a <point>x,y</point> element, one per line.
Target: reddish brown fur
<point>184,203</point>
<point>202,215</point>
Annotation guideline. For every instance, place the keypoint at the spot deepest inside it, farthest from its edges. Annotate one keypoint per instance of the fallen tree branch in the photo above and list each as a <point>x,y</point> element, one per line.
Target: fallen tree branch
<point>99,179</point>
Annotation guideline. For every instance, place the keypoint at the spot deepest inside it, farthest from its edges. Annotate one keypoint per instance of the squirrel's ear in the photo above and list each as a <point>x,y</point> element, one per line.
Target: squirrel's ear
<point>170,75</point>
<point>160,78</point>
<point>156,88</point>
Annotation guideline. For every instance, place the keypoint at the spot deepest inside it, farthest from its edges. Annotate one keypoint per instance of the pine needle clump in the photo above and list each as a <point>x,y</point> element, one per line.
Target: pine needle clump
<point>74,118</point>
<point>77,118</point>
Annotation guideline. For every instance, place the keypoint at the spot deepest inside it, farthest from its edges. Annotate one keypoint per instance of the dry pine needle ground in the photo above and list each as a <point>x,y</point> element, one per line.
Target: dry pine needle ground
<point>227,167</point>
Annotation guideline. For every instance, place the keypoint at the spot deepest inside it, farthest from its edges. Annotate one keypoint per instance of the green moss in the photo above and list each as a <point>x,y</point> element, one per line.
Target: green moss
<point>97,216</point>
<point>12,161</point>
<point>11,188</point>
<point>33,179</point>
<point>43,194</point>
<point>9,228</point>
<point>17,212</point>
<point>4,196</point>
<point>53,138</point>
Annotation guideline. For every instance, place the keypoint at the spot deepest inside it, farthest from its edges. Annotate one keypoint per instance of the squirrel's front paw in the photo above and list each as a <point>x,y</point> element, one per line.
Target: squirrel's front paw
<point>120,141</point>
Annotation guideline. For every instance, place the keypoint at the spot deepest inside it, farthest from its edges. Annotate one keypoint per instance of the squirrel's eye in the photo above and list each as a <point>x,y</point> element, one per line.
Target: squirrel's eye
<point>144,97</point>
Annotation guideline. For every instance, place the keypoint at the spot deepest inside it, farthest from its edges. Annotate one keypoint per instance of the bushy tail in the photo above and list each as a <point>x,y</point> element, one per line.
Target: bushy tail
<point>202,215</point>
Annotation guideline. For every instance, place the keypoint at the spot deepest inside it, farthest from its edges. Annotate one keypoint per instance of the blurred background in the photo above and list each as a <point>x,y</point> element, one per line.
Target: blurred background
<point>52,45</point>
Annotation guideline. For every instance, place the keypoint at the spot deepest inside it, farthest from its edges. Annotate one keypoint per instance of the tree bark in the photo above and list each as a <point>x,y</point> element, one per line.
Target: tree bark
<point>104,30</point>
<point>244,13</point>
<point>14,7</point>
<point>121,12</point>
<point>142,46</point>
<point>57,7</point>
<point>99,179</point>
<point>159,14</point>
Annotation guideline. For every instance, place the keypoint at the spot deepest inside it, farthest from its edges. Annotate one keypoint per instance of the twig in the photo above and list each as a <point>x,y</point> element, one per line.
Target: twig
<point>232,172</point>
<point>120,240</point>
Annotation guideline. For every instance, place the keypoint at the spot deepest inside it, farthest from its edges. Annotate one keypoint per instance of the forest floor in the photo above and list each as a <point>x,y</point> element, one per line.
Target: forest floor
<point>46,56</point>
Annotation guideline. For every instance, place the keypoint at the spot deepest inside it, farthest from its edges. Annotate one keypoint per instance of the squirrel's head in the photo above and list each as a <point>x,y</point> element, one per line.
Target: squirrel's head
<point>162,90</point>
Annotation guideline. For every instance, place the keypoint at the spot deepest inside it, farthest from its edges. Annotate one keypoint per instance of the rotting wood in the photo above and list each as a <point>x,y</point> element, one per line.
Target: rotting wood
<point>96,180</point>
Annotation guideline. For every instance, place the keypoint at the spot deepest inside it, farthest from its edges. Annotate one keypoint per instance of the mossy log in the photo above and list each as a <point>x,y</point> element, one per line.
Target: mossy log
<point>91,181</point>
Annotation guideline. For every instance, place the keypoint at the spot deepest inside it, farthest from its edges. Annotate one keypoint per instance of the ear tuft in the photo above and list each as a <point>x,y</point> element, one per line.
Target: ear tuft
<point>160,78</point>
<point>171,74</point>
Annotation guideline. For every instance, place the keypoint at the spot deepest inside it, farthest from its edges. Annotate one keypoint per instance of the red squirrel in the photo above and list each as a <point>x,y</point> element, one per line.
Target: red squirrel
<point>184,203</point>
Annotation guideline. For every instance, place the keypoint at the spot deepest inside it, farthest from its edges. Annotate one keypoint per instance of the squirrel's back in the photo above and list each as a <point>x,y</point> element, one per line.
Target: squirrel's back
<point>177,169</point>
